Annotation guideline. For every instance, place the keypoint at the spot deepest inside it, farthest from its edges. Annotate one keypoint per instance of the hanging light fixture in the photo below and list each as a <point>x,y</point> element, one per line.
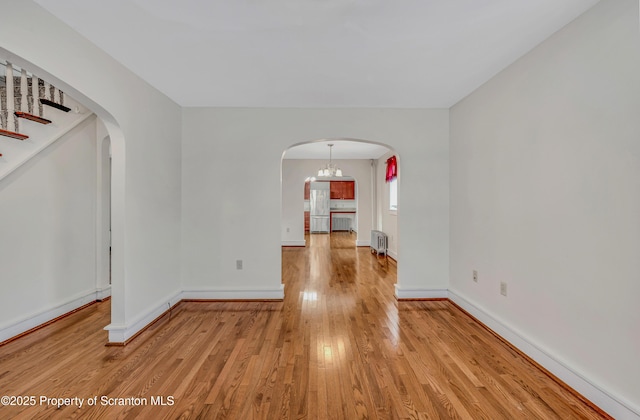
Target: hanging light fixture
<point>330,170</point>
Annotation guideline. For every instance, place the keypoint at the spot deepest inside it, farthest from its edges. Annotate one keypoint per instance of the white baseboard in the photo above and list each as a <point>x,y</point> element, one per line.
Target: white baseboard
<point>217,294</point>
<point>44,316</point>
<point>392,254</point>
<point>120,333</point>
<point>420,293</point>
<point>613,405</point>
<point>363,242</point>
<point>294,243</point>
<point>103,293</point>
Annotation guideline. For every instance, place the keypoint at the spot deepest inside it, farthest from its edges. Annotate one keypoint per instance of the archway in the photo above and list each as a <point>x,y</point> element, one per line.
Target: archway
<point>366,170</point>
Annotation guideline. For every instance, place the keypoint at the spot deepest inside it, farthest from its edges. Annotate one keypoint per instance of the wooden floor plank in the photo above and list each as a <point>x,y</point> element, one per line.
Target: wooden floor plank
<point>338,347</point>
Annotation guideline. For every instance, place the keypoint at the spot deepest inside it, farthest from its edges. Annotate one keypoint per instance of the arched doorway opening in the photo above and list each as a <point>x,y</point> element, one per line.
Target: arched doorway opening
<point>368,208</point>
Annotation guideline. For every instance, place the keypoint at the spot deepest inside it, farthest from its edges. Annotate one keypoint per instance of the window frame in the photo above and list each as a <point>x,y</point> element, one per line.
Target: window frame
<point>393,195</point>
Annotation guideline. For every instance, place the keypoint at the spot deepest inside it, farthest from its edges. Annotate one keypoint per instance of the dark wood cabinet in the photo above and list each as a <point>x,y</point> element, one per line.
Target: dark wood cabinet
<point>307,190</point>
<point>336,190</point>
<point>307,221</point>
<point>349,190</point>
<point>343,190</point>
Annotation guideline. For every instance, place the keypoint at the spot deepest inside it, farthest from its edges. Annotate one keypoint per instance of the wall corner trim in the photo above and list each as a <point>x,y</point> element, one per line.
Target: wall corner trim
<point>103,293</point>
<point>613,405</point>
<point>120,334</point>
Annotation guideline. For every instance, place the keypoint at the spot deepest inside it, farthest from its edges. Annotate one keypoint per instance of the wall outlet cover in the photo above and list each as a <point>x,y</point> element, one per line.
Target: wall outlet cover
<point>503,288</point>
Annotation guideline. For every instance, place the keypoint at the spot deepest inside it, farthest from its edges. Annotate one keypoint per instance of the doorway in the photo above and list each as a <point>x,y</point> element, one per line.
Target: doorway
<point>330,205</point>
<point>366,207</point>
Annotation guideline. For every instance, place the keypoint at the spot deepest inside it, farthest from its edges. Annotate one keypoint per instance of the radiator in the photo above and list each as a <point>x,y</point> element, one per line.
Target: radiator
<point>378,242</point>
<point>341,223</point>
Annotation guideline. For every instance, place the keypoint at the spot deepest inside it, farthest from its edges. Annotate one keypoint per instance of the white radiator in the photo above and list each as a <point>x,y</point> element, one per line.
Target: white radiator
<point>341,223</point>
<point>378,242</point>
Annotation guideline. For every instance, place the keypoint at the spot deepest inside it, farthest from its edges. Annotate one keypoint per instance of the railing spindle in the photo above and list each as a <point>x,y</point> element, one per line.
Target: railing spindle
<point>11,121</point>
<point>24,87</point>
<point>35,94</point>
<point>47,90</point>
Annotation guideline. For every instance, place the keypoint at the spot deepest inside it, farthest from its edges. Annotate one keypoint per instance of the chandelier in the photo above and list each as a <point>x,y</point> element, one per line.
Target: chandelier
<point>330,170</point>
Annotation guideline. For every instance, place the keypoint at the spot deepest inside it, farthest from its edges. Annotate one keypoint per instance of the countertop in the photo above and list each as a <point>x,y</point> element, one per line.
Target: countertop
<point>342,210</point>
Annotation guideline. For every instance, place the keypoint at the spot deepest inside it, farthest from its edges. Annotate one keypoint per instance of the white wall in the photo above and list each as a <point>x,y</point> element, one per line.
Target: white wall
<point>294,173</point>
<point>231,190</point>
<point>388,219</point>
<point>48,241</point>
<point>545,195</point>
<point>144,127</point>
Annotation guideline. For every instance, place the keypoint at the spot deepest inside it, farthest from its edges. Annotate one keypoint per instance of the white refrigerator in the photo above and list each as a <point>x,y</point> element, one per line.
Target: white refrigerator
<point>319,207</point>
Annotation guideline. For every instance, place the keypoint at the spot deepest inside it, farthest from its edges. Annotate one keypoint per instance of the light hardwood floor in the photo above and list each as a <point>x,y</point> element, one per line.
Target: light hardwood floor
<point>339,347</point>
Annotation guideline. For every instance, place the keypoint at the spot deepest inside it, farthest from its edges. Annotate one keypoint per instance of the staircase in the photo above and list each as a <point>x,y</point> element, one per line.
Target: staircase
<point>33,114</point>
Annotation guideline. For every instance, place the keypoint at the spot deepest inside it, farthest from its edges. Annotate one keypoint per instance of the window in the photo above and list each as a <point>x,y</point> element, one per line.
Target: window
<point>393,194</point>
<point>391,177</point>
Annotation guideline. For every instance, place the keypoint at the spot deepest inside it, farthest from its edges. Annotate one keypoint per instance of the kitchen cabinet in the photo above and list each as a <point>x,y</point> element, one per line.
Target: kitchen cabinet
<point>343,190</point>
<point>349,190</point>
<point>307,218</point>
<point>307,190</point>
<point>336,190</point>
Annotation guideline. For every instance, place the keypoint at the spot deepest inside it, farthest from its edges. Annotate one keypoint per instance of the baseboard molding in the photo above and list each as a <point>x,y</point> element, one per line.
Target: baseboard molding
<point>294,243</point>
<point>218,294</point>
<point>120,334</point>
<point>392,254</point>
<point>613,405</point>
<point>41,318</point>
<point>418,294</point>
<point>363,242</point>
<point>103,293</point>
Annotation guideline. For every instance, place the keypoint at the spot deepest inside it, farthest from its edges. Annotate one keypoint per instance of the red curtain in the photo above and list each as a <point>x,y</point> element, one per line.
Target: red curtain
<point>392,169</point>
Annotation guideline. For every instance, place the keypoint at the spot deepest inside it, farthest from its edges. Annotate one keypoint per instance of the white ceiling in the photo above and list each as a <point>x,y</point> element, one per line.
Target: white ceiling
<point>316,53</point>
<point>342,149</point>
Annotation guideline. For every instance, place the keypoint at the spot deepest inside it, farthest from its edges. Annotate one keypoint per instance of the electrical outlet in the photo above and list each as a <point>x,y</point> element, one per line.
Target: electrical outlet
<point>238,264</point>
<point>503,288</point>
<point>475,276</point>
<point>287,230</point>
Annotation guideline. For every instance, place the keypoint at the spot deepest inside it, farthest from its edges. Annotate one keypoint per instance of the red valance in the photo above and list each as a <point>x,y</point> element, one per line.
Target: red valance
<point>392,169</point>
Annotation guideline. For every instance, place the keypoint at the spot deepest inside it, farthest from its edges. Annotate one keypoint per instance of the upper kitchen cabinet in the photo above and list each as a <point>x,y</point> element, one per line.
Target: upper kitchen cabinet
<point>307,189</point>
<point>343,190</point>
